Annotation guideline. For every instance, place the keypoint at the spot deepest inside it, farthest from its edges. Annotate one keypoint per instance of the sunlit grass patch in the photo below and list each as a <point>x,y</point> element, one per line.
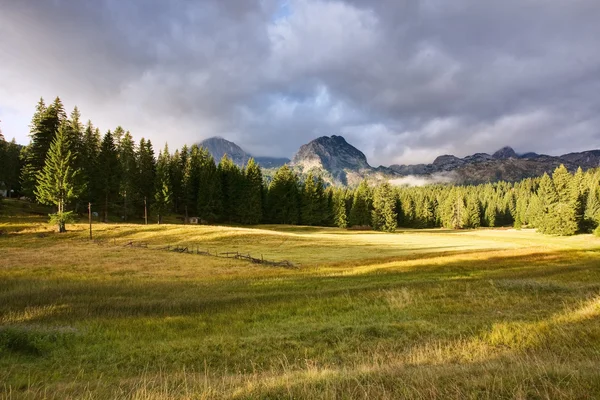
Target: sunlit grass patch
<point>417,314</point>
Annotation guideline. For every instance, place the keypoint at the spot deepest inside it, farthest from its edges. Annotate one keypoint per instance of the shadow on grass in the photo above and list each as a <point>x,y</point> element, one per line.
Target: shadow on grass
<point>126,296</point>
<point>553,357</point>
<point>430,317</point>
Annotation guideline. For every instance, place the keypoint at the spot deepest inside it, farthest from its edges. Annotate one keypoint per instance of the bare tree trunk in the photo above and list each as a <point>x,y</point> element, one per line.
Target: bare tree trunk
<point>125,206</point>
<point>61,220</point>
<point>106,208</point>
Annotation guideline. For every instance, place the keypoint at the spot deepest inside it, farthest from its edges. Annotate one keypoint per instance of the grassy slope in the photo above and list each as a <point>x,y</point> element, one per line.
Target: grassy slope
<point>419,314</point>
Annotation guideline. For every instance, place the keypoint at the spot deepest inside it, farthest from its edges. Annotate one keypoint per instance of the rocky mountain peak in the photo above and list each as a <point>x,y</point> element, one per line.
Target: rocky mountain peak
<point>341,163</point>
<point>447,162</point>
<point>332,154</point>
<point>505,153</point>
<point>218,147</point>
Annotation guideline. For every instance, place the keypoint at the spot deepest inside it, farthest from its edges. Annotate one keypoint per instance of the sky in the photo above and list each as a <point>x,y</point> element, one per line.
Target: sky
<point>402,80</point>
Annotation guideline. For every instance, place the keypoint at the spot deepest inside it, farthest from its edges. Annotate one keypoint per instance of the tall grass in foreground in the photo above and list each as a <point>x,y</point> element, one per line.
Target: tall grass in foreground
<point>418,314</point>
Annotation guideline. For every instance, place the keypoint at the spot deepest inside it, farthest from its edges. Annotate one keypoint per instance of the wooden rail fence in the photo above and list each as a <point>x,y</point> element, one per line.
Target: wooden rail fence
<point>196,250</point>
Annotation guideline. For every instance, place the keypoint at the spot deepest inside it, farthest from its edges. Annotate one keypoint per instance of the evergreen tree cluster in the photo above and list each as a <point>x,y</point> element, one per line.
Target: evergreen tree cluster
<point>560,204</point>
<point>122,179</point>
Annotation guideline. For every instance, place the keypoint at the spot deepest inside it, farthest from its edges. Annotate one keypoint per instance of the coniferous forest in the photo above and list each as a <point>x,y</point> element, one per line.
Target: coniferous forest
<point>69,164</point>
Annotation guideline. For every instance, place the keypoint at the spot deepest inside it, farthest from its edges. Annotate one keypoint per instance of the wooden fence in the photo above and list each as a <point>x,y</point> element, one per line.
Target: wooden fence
<point>197,250</point>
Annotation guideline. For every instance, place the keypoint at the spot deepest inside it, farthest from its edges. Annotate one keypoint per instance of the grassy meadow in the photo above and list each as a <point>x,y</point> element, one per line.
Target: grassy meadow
<point>417,314</point>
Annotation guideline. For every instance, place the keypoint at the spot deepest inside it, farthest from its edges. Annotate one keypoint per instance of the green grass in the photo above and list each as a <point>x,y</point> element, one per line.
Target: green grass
<point>417,314</point>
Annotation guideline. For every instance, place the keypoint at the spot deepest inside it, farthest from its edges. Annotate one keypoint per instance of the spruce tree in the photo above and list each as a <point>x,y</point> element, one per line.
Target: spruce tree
<point>191,181</point>
<point>309,213</point>
<point>362,204</point>
<point>283,197</point>
<point>427,213</point>
<point>472,217</point>
<point>339,209</point>
<point>592,207</point>
<point>562,180</point>
<point>409,211</point>
<point>210,196</point>
<point>57,179</point>
<point>561,218</point>
<point>400,208</point>
<point>35,154</point>
<point>557,209</point>
<point>548,197</point>
<point>109,174</point>
<point>75,139</point>
<point>90,170</point>
<point>181,196</point>
<point>162,194</point>
<point>490,216</point>
<point>253,194</point>
<point>146,173</point>
<point>118,135</point>
<point>534,214</point>
<point>454,212</point>
<point>510,202</point>
<point>176,174</point>
<point>384,217</point>
<point>43,129</point>
<point>521,210</point>
<point>75,132</point>
<point>328,214</point>
<point>322,210</point>
<point>10,166</point>
<point>578,199</point>
<point>128,169</point>
<point>231,187</point>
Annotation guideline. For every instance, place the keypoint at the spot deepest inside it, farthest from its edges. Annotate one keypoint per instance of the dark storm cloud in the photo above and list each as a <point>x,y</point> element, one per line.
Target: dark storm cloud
<point>402,80</point>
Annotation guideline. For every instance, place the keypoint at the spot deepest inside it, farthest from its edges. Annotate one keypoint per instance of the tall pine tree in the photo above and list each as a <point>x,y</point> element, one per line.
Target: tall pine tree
<point>231,188</point>
<point>163,193</point>
<point>57,179</point>
<point>384,213</point>
<point>360,213</point>
<point>283,198</point>
<point>109,173</point>
<point>251,212</point>
<point>340,211</point>
<point>146,174</point>
<point>210,196</point>
<point>89,158</point>
<point>128,189</point>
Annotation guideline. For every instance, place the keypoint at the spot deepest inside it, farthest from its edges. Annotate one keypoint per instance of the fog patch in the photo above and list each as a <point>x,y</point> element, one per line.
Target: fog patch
<point>423,180</point>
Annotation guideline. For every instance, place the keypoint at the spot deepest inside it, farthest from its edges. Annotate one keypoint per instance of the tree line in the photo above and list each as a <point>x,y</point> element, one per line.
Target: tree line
<point>10,165</point>
<point>70,164</point>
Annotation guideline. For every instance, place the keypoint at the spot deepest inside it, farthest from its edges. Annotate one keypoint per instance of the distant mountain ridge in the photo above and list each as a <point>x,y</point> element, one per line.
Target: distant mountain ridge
<point>505,164</point>
<point>218,147</point>
<point>341,163</point>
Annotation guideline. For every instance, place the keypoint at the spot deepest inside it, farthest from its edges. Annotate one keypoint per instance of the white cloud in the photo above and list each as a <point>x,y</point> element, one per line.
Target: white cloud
<point>404,81</point>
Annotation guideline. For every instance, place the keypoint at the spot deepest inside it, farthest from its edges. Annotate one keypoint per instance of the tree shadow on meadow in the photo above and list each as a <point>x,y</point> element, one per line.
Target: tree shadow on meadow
<point>574,271</point>
<point>471,310</point>
<point>552,357</point>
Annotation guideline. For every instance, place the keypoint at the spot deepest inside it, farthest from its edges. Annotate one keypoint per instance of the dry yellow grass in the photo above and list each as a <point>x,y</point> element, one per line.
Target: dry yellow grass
<point>416,314</point>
